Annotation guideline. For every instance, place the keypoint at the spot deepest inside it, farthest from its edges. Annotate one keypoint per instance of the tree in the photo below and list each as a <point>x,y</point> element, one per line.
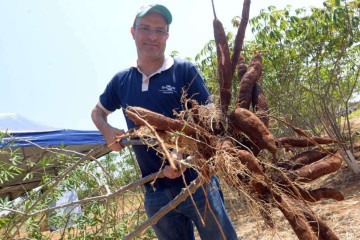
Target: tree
<point>311,67</point>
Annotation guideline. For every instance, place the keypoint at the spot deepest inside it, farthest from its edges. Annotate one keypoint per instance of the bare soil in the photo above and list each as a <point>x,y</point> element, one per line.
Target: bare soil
<point>343,217</point>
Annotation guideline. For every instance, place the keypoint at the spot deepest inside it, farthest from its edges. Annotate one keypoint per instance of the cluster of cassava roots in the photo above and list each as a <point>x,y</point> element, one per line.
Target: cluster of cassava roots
<point>235,143</point>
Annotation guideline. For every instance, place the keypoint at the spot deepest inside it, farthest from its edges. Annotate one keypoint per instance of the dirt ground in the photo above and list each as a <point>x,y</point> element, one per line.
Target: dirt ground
<point>343,217</point>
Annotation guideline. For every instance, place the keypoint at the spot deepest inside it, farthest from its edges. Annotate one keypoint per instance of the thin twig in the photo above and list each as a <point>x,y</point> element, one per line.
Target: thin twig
<point>20,222</point>
<point>167,208</point>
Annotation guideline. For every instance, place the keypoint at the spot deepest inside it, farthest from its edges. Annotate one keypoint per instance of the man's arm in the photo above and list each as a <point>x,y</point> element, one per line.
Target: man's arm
<point>99,118</point>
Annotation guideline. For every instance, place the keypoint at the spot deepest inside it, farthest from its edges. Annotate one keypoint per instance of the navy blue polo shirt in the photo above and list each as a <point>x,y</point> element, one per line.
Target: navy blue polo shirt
<point>161,92</point>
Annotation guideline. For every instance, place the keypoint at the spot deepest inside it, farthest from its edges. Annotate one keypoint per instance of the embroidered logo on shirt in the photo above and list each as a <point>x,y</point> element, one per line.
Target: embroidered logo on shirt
<point>167,89</point>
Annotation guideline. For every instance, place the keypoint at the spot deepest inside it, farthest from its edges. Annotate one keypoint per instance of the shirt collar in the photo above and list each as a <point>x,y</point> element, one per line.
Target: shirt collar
<point>168,62</point>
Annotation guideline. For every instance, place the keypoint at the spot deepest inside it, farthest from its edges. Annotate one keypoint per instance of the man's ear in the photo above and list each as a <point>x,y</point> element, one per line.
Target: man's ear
<point>132,30</point>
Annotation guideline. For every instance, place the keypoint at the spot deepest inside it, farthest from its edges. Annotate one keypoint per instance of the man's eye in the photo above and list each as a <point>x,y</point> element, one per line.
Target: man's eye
<point>160,31</point>
<point>143,28</point>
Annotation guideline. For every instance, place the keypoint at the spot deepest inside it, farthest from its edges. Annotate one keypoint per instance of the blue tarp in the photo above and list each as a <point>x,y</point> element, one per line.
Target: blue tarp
<point>42,135</point>
<point>64,137</point>
<point>32,139</point>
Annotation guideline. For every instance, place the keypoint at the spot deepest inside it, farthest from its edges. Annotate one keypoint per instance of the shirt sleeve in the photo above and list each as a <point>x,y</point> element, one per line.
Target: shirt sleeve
<point>109,99</point>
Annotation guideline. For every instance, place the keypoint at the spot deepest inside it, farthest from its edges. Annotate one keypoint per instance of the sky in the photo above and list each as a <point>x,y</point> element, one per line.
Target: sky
<point>56,56</point>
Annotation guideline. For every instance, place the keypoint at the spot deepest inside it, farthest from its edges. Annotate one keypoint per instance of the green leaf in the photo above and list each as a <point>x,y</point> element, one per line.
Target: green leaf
<point>335,3</point>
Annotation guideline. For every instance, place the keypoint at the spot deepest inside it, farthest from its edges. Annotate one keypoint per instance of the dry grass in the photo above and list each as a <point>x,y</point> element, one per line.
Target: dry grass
<point>127,204</point>
<point>343,217</point>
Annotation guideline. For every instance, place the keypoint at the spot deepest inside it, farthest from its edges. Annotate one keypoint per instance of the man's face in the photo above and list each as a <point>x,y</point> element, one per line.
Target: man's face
<point>150,35</point>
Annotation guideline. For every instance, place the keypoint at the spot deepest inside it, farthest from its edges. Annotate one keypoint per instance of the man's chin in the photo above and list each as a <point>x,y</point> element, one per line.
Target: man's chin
<point>152,55</point>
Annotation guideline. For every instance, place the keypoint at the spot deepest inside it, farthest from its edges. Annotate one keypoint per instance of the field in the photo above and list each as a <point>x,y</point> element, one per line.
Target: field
<point>343,216</point>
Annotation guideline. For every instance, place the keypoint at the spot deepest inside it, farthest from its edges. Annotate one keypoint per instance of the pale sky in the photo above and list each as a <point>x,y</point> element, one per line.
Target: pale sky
<point>56,56</point>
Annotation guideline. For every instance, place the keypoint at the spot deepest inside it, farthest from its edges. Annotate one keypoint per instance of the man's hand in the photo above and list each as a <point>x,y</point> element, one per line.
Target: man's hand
<point>171,173</point>
<point>110,133</point>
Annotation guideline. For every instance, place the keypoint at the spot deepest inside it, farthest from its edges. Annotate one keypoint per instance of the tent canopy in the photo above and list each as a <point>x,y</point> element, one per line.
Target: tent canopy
<point>31,141</point>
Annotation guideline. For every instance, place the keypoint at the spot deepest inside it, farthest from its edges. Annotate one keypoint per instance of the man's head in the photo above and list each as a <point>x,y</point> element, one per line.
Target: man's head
<point>150,31</point>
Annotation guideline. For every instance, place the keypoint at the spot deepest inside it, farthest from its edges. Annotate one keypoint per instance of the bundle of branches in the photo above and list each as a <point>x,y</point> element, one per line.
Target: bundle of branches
<point>236,143</point>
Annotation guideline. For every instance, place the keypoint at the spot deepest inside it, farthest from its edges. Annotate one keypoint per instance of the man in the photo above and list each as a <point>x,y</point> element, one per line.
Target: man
<point>157,83</point>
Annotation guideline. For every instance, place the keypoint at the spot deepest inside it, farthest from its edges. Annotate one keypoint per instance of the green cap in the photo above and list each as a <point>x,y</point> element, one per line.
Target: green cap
<point>155,7</point>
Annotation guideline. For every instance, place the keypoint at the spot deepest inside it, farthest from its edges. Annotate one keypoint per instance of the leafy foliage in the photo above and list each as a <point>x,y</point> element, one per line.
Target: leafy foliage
<point>311,67</point>
<point>101,217</point>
